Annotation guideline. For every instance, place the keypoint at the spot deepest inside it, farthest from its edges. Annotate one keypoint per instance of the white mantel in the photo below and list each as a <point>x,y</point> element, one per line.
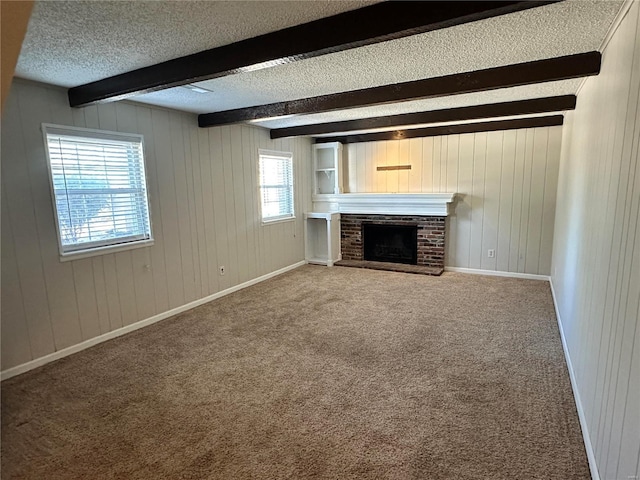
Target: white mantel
<point>431,204</point>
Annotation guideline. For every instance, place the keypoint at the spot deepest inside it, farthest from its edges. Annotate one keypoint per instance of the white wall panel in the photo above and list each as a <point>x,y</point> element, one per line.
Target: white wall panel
<point>596,253</point>
<point>506,181</point>
<point>204,211</point>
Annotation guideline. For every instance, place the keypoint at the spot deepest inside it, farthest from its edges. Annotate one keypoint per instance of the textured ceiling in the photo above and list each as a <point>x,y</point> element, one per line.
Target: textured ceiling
<point>550,31</point>
<point>70,43</point>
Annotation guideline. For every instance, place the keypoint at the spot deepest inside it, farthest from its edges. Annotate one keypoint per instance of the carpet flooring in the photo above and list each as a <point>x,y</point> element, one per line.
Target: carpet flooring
<point>337,373</point>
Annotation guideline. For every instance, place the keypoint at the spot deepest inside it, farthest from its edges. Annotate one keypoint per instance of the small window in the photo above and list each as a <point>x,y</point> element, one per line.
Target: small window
<point>99,189</point>
<point>276,186</point>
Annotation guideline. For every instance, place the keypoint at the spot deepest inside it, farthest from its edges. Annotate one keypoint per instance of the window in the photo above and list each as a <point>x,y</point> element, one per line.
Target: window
<point>276,186</point>
<point>99,189</point>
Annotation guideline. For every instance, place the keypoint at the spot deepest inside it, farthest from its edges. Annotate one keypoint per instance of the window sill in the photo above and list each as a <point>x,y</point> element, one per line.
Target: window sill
<point>278,220</point>
<point>94,252</point>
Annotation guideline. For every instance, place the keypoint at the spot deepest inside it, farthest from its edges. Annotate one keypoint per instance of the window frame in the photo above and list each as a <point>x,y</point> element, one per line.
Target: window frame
<point>289,156</point>
<point>97,134</point>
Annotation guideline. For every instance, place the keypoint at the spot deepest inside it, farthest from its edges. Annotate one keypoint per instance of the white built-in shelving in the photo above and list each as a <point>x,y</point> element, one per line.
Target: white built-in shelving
<point>327,168</point>
<point>322,237</point>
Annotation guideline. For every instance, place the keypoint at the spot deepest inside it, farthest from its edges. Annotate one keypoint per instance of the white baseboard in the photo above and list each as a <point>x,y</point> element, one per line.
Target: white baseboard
<point>38,362</point>
<point>593,466</point>
<point>494,273</point>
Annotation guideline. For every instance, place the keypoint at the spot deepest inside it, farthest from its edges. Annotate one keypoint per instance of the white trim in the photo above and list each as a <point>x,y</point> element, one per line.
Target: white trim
<point>277,155</point>
<point>274,153</point>
<point>591,457</point>
<point>494,273</point>
<point>103,250</point>
<point>429,204</point>
<point>65,352</point>
<point>278,220</point>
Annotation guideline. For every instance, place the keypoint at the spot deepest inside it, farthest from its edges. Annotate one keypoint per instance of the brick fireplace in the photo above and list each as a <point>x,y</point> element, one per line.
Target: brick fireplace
<point>422,214</point>
<point>430,232</point>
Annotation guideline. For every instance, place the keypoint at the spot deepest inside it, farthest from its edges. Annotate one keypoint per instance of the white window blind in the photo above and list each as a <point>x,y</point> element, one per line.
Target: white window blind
<point>99,188</point>
<point>276,186</point>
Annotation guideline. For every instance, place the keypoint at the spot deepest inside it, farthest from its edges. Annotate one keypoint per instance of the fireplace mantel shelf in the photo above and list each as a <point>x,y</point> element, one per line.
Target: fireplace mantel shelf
<point>428,204</point>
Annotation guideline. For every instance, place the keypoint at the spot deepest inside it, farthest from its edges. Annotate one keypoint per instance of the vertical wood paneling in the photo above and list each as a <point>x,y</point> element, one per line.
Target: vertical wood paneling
<point>232,273</point>
<point>460,251</point>
<point>493,174</point>
<point>549,200</point>
<point>427,165</point>
<point>415,160</point>
<point>87,303</point>
<point>260,249</point>
<point>182,207</point>
<point>516,207</point>
<point>197,215</point>
<point>248,163</point>
<point>596,252</point>
<point>167,207</point>
<point>204,211</point>
<point>536,199</point>
<point>506,200</point>
<point>526,200</point>
<point>155,262</point>
<point>239,203</point>
<point>189,161</point>
<point>18,199</point>
<point>16,347</point>
<point>477,199</point>
<point>436,164</point>
<point>360,158</point>
<point>111,287</point>
<point>507,184</point>
<point>61,295</point>
<point>379,178</point>
<point>101,295</point>
<point>403,159</point>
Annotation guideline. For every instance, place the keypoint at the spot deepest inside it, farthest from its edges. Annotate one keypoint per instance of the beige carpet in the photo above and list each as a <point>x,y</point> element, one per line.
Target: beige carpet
<point>337,373</point>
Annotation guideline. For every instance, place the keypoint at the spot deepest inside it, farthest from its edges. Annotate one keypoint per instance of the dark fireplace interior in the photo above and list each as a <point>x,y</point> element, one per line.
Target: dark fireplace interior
<point>390,243</point>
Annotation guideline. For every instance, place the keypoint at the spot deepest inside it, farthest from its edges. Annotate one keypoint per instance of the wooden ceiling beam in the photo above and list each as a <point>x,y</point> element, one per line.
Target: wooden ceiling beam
<point>492,110</point>
<point>527,73</point>
<point>533,122</point>
<point>364,26</point>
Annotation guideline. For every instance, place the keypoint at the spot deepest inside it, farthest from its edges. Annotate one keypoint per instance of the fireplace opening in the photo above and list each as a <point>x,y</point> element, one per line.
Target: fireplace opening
<point>390,243</point>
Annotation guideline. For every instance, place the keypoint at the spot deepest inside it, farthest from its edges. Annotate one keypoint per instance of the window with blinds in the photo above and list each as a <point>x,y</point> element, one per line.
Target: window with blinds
<point>276,185</point>
<point>99,189</point>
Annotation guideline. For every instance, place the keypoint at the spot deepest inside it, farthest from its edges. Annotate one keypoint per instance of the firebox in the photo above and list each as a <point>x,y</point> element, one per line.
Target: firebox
<point>390,243</point>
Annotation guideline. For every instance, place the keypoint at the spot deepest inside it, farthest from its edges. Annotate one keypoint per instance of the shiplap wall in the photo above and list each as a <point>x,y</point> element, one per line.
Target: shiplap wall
<point>204,212</point>
<point>507,184</point>
<point>596,259</point>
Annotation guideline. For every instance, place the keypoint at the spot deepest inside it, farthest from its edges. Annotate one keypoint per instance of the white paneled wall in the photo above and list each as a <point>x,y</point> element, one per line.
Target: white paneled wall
<point>507,184</point>
<point>596,259</point>
<point>204,211</point>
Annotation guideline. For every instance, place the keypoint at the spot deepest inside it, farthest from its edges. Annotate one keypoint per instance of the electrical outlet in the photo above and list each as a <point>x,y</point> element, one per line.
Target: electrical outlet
<point>491,253</point>
<point>222,270</point>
